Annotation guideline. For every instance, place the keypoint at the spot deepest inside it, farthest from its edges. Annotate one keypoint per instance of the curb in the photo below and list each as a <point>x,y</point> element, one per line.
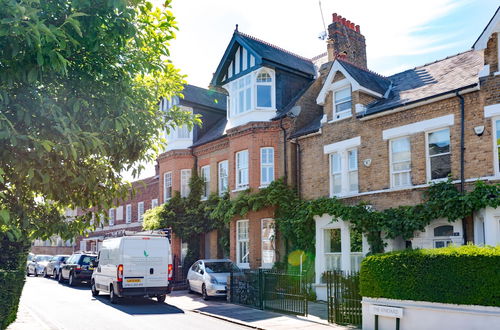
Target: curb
<point>227,319</point>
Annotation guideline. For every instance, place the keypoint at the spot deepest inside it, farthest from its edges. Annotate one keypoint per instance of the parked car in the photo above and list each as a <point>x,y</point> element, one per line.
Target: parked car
<point>53,266</point>
<point>209,277</point>
<point>132,266</point>
<point>30,257</point>
<point>77,268</point>
<point>37,264</point>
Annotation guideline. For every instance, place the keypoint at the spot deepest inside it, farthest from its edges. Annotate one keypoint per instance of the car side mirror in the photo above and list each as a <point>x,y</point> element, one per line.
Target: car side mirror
<point>202,272</point>
<point>94,263</point>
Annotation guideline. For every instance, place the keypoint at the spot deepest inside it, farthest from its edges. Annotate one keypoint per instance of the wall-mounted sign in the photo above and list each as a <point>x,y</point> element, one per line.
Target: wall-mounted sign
<point>387,311</point>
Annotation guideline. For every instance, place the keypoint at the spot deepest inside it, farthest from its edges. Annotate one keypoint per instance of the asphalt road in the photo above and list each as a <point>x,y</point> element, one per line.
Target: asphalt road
<point>63,307</point>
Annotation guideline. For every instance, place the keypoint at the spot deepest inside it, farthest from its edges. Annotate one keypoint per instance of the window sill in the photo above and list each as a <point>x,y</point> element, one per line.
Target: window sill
<point>243,266</point>
<point>497,73</point>
<point>346,195</point>
<point>339,119</point>
<point>262,186</point>
<point>240,189</point>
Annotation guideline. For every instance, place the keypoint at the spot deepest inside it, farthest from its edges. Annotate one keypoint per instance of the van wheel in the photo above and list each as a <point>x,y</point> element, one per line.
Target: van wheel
<point>204,293</point>
<point>112,296</point>
<point>55,274</point>
<point>94,290</point>
<point>161,298</point>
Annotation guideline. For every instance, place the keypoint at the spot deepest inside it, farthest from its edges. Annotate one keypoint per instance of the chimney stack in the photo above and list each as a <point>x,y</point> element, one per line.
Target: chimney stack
<point>346,42</point>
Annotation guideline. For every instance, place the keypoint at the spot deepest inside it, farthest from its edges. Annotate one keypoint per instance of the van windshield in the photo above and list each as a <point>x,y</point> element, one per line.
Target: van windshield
<point>220,267</point>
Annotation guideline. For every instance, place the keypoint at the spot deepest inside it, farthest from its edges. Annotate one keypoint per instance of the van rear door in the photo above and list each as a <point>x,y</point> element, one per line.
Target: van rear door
<point>134,262</point>
<point>158,252</point>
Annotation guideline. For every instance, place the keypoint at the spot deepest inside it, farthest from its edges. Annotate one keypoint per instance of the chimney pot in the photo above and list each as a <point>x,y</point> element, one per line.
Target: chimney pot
<point>357,29</point>
<point>352,26</point>
<point>348,23</point>
<point>343,21</point>
<point>334,17</point>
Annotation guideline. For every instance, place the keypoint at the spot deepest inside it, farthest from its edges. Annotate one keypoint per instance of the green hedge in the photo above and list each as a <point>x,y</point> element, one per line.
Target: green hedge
<point>467,275</point>
<point>12,275</point>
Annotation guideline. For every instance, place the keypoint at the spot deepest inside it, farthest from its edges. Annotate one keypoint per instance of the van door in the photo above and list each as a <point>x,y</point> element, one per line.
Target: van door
<point>157,256</point>
<point>134,262</point>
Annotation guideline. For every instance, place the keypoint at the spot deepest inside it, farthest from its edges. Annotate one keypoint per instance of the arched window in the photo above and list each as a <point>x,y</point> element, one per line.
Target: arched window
<point>264,90</point>
<point>443,231</point>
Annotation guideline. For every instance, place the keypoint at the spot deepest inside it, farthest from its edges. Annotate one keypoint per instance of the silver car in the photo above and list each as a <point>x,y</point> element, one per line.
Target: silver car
<point>209,277</point>
<point>38,264</point>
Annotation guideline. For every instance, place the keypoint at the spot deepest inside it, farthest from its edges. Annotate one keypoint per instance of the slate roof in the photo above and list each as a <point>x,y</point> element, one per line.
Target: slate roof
<point>278,55</point>
<point>430,80</point>
<point>205,97</point>
<point>368,79</point>
<point>217,131</point>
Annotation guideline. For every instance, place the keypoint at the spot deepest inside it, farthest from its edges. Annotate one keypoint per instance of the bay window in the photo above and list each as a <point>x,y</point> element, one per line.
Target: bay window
<point>266,166</point>
<point>264,83</point>
<point>185,177</point>
<point>400,159</point>
<point>242,169</point>
<point>438,154</point>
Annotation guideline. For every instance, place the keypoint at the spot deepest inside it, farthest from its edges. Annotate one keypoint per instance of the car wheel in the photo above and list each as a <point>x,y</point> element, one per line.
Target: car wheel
<point>161,298</point>
<point>35,273</point>
<point>45,273</point>
<point>60,278</point>
<point>94,290</point>
<point>204,292</point>
<point>72,281</point>
<point>27,271</point>
<point>112,296</point>
<point>54,274</point>
<point>189,287</point>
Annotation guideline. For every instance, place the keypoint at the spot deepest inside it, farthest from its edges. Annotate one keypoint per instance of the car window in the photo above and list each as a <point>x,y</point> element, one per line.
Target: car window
<point>63,258</point>
<point>220,267</point>
<point>43,258</point>
<point>194,268</point>
<point>86,260</point>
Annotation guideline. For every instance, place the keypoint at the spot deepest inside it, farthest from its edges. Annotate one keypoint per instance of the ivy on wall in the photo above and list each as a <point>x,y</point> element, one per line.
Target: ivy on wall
<point>295,217</point>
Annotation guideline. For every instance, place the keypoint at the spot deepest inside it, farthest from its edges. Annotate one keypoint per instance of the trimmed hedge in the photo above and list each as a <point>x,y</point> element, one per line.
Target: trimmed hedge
<point>12,276</point>
<point>468,275</point>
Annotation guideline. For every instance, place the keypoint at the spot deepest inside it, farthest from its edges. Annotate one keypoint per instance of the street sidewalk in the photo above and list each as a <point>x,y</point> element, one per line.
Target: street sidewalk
<point>247,316</point>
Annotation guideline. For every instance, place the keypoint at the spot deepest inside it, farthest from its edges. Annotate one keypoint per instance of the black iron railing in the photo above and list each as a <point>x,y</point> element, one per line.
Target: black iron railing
<point>344,299</point>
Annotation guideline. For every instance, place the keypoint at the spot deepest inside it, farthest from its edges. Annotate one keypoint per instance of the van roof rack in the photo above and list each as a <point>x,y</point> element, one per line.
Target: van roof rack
<point>165,232</point>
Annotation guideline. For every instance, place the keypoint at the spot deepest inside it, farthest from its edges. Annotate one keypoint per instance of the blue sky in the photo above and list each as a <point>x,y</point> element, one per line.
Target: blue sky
<point>400,34</point>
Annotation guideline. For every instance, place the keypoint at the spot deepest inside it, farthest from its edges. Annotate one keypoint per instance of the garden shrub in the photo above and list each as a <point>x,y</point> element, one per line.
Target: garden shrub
<point>467,275</point>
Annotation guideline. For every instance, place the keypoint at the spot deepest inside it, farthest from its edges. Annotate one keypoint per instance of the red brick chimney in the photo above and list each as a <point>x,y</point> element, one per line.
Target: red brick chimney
<point>345,41</point>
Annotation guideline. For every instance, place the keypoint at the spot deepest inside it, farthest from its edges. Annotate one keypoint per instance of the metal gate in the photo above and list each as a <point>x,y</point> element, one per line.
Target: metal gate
<point>269,290</point>
<point>344,299</point>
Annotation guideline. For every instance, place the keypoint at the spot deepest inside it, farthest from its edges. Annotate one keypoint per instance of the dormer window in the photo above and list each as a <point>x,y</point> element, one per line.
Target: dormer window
<point>342,103</point>
<point>264,83</point>
<point>180,137</point>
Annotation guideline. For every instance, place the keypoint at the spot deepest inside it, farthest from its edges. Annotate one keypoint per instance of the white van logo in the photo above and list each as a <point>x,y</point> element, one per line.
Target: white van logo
<point>146,254</point>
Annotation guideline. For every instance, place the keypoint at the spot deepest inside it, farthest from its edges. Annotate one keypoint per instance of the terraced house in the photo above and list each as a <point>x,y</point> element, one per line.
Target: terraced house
<point>383,140</point>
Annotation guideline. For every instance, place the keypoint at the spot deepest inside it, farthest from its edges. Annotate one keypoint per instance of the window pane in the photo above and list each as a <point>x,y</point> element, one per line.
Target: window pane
<point>335,163</point>
<point>248,101</point>
<point>443,231</point>
<point>263,96</point>
<point>337,183</point>
<point>353,181</point>
<point>400,150</point>
<point>440,166</point>
<point>439,142</point>
<point>345,106</point>
<point>264,77</point>
<point>343,95</point>
<point>333,240</point>
<point>403,166</point>
<point>241,100</point>
<point>353,159</point>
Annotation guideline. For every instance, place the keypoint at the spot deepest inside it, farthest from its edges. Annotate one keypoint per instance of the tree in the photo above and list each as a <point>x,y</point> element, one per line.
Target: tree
<point>79,85</point>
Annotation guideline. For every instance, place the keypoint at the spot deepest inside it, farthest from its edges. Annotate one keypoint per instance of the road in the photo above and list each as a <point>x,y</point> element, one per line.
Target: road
<point>63,307</point>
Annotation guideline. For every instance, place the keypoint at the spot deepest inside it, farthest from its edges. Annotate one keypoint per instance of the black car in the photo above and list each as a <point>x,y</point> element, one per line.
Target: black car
<point>52,268</point>
<point>77,268</point>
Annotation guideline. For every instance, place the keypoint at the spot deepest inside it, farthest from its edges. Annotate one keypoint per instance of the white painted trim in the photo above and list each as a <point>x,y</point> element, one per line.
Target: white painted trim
<point>485,71</point>
<point>427,155</point>
<point>246,264</point>
<point>418,127</point>
<point>328,85</point>
<point>342,145</point>
<point>492,110</point>
<point>421,103</point>
<point>496,164</point>
<point>492,27</point>
<point>391,171</point>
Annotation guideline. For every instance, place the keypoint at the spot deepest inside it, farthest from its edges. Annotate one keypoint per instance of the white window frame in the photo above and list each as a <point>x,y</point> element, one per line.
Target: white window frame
<point>128,213</point>
<point>242,185</point>
<point>223,179</point>
<point>154,203</point>
<point>496,145</point>
<point>427,155</point>
<point>344,172</point>
<point>205,175</point>
<point>185,178</point>
<point>392,172</point>
<point>270,240</point>
<point>271,83</point>
<point>342,114</point>
<point>266,166</point>
<point>167,183</point>
<point>119,213</point>
<point>111,217</point>
<point>238,241</point>
<point>140,211</point>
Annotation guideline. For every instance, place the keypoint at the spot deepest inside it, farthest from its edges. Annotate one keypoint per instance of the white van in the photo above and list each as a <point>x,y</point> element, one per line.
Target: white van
<point>128,266</point>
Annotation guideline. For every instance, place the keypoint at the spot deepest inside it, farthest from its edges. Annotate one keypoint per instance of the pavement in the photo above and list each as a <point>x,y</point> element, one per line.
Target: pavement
<point>47,305</point>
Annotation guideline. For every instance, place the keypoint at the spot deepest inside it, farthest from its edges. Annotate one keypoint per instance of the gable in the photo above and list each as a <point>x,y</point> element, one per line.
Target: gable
<point>492,27</point>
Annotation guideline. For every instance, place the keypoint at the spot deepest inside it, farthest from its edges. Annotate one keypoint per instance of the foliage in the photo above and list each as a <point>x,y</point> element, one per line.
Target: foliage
<point>189,217</point>
<point>295,217</point>
<point>79,86</point>
<point>455,275</point>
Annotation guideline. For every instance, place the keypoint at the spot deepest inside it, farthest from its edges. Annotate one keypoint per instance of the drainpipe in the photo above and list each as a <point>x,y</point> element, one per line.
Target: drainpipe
<point>284,151</point>
<point>462,153</point>
<point>297,174</point>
